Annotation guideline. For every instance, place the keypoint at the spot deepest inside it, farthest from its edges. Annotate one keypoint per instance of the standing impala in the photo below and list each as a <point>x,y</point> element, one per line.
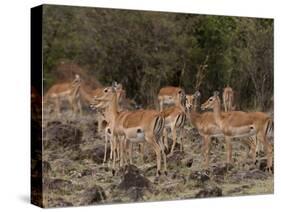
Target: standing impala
<point>204,123</point>
<point>104,117</point>
<point>132,126</point>
<point>228,99</point>
<point>174,120</point>
<point>241,124</point>
<point>207,127</point>
<point>65,91</point>
<point>168,95</point>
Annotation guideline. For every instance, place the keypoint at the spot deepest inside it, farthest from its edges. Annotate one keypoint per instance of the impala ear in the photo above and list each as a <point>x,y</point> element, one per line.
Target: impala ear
<point>197,94</point>
<point>216,93</point>
<point>114,84</point>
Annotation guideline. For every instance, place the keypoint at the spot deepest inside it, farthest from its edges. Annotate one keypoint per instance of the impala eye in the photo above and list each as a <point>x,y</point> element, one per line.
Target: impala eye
<point>211,100</point>
<point>105,90</point>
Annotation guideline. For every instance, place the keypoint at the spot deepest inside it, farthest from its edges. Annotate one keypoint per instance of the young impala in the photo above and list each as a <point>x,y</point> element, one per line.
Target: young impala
<point>241,124</point>
<point>132,126</point>
<point>168,95</point>
<point>65,91</point>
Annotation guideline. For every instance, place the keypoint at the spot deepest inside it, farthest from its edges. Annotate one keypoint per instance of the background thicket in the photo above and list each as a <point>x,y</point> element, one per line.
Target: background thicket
<point>148,50</point>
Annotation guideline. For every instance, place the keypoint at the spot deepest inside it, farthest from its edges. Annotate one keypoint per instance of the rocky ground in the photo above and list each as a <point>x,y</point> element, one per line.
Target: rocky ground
<point>73,173</point>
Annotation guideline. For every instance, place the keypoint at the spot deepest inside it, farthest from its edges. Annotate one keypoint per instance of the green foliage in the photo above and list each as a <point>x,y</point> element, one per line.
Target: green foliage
<point>148,50</point>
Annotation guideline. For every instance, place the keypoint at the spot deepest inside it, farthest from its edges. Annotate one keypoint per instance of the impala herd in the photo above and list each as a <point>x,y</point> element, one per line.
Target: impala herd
<point>150,127</point>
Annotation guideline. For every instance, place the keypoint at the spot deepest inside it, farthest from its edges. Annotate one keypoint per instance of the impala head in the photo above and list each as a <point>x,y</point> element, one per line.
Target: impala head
<point>190,100</point>
<point>77,80</point>
<point>105,97</point>
<point>211,102</point>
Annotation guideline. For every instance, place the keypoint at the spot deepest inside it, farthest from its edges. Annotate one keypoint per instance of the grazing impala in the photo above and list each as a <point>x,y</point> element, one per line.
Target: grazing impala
<point>174,120</point>
<point>168,95</point>
<point>132,126</point>
<point>65,91</point>
<point>240,124</point>
<point>228,99</point>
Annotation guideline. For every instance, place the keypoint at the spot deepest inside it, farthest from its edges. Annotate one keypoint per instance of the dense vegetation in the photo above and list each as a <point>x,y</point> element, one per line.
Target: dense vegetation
<point>148,50</point>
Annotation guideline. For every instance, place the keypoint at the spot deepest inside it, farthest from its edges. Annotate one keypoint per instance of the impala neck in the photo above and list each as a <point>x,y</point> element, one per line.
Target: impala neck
<point>178,103</point>
<point>217,111</point>
<point>113,107</point>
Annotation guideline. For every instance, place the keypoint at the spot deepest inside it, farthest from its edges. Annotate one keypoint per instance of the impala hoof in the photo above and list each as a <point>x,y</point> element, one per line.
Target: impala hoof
<point>166,150</point>
<point>166,173</point>
<point>158,173</point>
<point>113,172</point>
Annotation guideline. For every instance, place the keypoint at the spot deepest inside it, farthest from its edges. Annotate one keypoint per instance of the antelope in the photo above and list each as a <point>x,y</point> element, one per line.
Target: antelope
<point>174,119</point>
<point>140,126</point>
<point>206,126</point>
<point>228,99</point>
<point>69,91</point>
<point>167,95</point>
<point>105,118</point>
<point>204,123</point>
<point>241,124</point>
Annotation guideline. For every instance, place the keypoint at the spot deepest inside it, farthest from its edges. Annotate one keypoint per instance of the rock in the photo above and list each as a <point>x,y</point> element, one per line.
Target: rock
<point>209,191</point>
<point>135,193</point>
<point>133,178</point>
<point>65,135</point>
<point>59,184</point>
<point>189,162</point>
<point>59,202</point>
<point>249,174</point>
<point>221,170</point>
<point>262,164</point>
<point>96,154</point>
<point>93,195</point>
<point>199,176</point>
<point>46,168</point>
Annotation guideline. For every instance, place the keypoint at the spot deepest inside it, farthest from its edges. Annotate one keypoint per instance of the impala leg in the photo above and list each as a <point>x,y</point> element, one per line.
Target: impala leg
<point>142,152</point>
<point>181,139</point>
<point>162,147</point>
<point>165,138</point>
<point>105,147</point>
<point>130,150</point>
<point>79,107</point>
<point>206,150</point>
<point>121,151</point>
<point>99,123</point>
<point>174,134</point>
<point>229,150</point>
<point>57,107</point>
<point>157,150</point>
<point>114,155</point>
<point>268,151</point>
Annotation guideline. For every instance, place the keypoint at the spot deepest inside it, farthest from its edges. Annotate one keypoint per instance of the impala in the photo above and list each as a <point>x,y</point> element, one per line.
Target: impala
<point>65,91</point>
<point>174,120</point>
<point>241,124</point>
<point>168,95</point>
<point>228,99</point>
<point>204,123</point>
<point>132,126</point>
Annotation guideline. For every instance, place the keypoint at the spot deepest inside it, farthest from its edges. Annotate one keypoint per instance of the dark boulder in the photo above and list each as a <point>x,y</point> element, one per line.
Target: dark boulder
<point>200,176</point>
<point>209,191</point>
<point>132,177</point>
<point>93,195</point>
